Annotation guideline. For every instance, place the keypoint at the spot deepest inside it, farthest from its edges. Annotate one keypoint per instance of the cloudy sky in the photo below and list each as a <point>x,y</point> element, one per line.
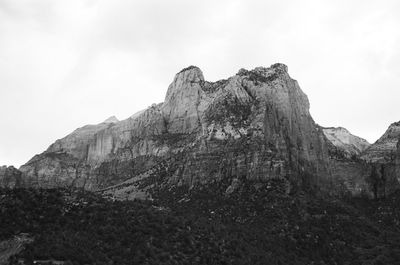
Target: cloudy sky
<point>64,64</point>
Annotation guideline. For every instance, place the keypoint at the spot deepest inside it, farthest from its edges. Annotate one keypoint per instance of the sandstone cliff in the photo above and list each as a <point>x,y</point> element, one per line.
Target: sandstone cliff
<point>382,159</point>
<point>348,172</point>
<point>363,168</point>
<point>346,142</point>
<point>254,125</point>
<point>10,177</point>
<point>384,149</point>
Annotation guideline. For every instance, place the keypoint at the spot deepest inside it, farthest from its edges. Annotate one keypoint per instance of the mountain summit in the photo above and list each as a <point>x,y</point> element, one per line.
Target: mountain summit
<point>385,147</point>
<point>342,138</point>
<point>254,126</point>
<point>111,119</point>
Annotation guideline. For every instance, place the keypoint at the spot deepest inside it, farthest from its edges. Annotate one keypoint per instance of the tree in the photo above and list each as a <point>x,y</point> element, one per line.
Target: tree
<point>382,181</point>
<point>373,180</point>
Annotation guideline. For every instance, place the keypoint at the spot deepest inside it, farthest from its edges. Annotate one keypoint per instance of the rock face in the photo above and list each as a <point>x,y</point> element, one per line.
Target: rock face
<point>370,169</point>
<point>397,162</point>
<point>112,119</point>
<point>92,152</point>
<point>254,125</point>
<point>360,168</point>
<point>348,172</point>
<point>384,162</point>
<point>10,177</point>
<point>182,101</point>
<point>384,149</point>
<point>348,143</point>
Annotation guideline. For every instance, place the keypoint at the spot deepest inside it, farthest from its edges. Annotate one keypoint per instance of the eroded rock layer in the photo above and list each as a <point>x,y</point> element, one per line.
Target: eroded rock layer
<point>253,126</point>
<point>348,143</point>
<point>10,177</point>
<point>384,149</point>
<point>372,170</point>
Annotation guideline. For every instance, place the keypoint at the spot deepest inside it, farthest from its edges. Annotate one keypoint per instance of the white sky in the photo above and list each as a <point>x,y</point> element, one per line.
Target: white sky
<point>64,64</point>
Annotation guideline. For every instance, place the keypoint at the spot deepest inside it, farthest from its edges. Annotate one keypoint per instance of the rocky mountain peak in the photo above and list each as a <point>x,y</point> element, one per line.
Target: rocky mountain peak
<point>385,147</point>
<point>182,98</point>
<point>111,119</point>
<point>280,66</point>
<point>395,124</point>
<point>254,125</point>
<point>189,95</point>
<point>344,140</point>
<point>393,130</point>
<point>191,69</point>
<point>265,74</point>
<point>191,74</point>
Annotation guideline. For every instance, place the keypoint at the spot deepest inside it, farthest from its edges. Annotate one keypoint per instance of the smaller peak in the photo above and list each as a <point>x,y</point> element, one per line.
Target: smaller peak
<point>190,74</point>
<point>137,114</point>
<point>242,71</point>
<point>395,124</point>
<point>280,66</point>
<point>261,70</point>
<point>111,119</point>
<point>191,67</point>
<point>265,71</point>
<point>341,129</point>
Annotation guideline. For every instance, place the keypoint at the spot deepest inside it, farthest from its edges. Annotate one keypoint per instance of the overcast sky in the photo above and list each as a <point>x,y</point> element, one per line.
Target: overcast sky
<point>64,64</point>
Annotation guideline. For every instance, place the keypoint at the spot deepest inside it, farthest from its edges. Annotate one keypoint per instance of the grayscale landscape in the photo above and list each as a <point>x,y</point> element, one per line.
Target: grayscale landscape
<point>242,170</point>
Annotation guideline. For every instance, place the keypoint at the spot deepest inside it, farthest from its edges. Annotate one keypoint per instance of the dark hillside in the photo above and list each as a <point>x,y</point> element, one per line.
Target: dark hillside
<point>257,224</point>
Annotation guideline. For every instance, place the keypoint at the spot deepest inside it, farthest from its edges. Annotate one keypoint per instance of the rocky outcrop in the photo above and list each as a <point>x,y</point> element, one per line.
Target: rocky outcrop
<point>254,125</point>
<point>344,141</point>
<point>384,149</point>
<point>10,177</point>
<point>347,171</point>
<point>361,168</point>
<point>181,107</point>
<point>397,162</point>
<point>383,165</point>
<point>111,119</point>
<point>97,155</point>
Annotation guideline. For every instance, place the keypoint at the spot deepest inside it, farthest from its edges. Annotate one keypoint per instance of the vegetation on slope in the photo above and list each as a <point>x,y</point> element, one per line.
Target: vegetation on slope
<point>257,224</point>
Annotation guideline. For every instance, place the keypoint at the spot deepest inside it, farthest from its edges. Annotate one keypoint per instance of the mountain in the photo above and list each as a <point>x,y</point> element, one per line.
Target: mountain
<point>232,172</point>
<point>350,144</point>
<point>372,170</point>
<point>10,177</point>
<point>111,119</point>
<point>254,125</point>
<point>384,149</point>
